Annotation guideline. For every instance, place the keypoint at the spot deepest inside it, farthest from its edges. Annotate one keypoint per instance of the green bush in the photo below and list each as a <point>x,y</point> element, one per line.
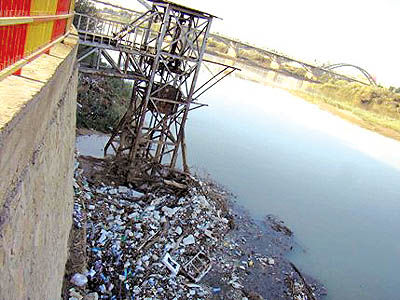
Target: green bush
<point>372,98</point>
<point>101,102</point>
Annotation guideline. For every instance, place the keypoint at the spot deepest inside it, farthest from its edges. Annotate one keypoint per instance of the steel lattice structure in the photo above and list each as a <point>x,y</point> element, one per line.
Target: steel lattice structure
<point>162,51</point>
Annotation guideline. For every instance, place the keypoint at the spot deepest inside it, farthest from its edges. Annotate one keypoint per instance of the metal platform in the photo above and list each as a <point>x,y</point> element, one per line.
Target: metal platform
<point>161,50</point>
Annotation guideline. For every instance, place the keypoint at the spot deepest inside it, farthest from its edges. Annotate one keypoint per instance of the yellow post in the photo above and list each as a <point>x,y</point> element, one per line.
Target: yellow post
<point>39,34</point>
<point>71,11</point>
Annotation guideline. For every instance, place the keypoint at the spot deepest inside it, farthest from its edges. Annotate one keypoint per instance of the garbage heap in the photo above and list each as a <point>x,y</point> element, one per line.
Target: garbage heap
<point>144,245</point>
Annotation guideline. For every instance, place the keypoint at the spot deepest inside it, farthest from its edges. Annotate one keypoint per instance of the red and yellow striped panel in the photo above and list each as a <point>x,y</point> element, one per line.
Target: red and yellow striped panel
<point>39,34</point>
<point>60,25</point>
<point>21,40</point>
<point>12,38</point>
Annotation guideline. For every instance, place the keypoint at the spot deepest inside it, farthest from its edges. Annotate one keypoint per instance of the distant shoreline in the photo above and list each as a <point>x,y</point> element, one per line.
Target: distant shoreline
<point>351,113</point>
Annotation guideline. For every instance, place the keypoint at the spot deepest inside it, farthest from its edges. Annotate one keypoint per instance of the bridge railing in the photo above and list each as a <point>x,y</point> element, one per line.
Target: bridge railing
<point>29,28</point>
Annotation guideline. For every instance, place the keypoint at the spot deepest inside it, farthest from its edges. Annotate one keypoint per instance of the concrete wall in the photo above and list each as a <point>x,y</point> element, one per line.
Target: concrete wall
<point>37,137</point>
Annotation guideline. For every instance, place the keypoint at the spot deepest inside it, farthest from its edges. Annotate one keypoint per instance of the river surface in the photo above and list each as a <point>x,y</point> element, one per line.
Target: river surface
<point>334,184</point>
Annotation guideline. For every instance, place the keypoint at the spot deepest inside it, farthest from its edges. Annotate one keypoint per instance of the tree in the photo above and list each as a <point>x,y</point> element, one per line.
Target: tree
<point>85,7</point>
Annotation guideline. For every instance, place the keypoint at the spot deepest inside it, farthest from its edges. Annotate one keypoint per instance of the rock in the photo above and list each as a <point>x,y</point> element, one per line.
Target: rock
<point>123,189</point>
<point>178,230</point>
<point>169,212</point>
<point>91,296</point>
<point>75,294</point>
<point>135,194</point>
<point>79,279</point>
<point>271,261</point>
<point>189,240</point>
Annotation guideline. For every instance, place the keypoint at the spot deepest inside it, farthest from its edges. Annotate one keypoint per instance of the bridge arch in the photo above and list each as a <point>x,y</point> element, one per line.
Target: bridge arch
<point>363,71</point>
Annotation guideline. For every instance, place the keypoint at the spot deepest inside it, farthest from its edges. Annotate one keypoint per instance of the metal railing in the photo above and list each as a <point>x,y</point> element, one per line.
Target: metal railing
<point>29,28</point>
<point>93,29</point>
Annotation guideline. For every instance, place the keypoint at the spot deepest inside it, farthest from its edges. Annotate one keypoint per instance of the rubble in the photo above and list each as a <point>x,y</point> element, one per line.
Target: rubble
<point>79,279</point>
<point>150,245</point>
<point>168,239</point>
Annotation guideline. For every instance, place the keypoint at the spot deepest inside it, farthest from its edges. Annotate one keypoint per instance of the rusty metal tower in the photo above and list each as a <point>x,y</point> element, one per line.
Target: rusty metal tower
<point>162,51</point>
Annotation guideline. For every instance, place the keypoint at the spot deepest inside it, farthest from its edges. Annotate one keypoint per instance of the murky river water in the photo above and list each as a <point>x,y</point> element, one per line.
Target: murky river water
<point>335,184</point>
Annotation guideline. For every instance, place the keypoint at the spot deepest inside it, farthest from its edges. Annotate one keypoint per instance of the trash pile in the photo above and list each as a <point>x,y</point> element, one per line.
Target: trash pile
<point>147,246</point>
<point>158,238</point>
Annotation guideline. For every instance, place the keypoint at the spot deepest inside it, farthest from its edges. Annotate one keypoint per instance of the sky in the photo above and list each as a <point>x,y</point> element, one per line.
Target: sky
<point>361,32</point>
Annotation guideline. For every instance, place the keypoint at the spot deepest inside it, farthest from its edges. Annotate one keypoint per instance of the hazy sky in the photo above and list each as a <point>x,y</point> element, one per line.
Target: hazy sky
<point>361,32</point>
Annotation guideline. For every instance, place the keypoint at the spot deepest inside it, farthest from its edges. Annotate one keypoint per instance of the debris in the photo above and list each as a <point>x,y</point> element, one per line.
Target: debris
<point>154,240</point>
<point>153,243</point>
<point>169,212</point>
<point>198,267</point>
<point>79,279</point>
<point>178,230</point>
<point>279,226</point>
<point>171,264</point>
<point>216,290</point>
<point>308,291</point>
<point>175,184</point>
<point>123,189</point>
<point>75,295</point>
<point>91,296</point>
<point>188,240</point>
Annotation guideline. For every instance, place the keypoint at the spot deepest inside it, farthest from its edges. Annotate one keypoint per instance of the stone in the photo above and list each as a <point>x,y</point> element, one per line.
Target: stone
<point>112,191</point>
<point>178,230</point>
<point>189,240</point>
<point>123,189</point>
<point>91,296</point>
<point>169,212</point>
<point>270,261</point>
<point>135,194</point>
<point>79,279</point>
<point>75,294</point>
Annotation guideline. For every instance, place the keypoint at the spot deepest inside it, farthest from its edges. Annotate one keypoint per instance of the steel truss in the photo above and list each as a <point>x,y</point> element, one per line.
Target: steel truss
<point>162,51</point>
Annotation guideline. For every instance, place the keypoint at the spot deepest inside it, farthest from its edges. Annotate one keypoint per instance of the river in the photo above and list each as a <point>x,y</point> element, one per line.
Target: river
<point>334,184</point>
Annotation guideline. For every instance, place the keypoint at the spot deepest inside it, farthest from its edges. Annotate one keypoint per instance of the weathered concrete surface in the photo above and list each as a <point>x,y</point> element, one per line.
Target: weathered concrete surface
<point>37,135</point>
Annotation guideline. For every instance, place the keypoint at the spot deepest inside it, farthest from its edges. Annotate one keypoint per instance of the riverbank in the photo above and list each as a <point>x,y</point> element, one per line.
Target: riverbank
<point>125,253</point>
<point>373,108</point>
<point>384,125</point>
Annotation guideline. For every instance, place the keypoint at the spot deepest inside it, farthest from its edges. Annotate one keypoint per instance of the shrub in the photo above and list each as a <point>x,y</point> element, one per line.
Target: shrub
<point>101,102</point>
